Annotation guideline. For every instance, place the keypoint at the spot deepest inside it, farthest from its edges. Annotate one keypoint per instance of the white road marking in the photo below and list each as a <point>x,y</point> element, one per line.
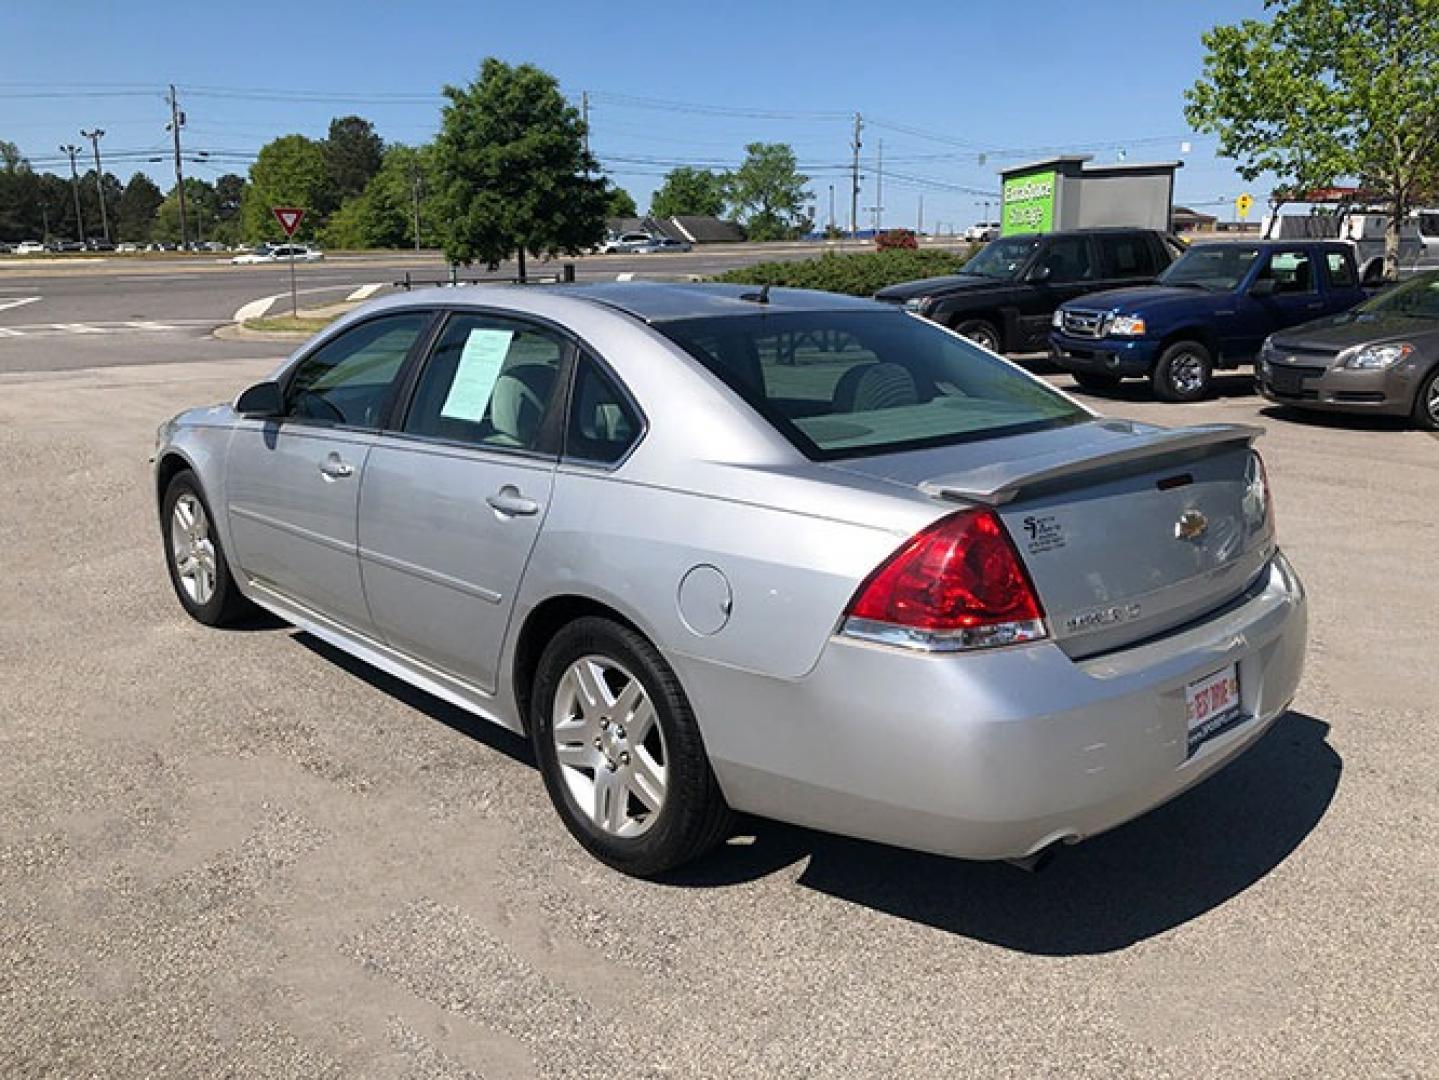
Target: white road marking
<point>255,308</point>
<point>5,332</point>
<point>19,301</point>
<point>149,324</point>
<point>364,292</point>
<point>79,328</point>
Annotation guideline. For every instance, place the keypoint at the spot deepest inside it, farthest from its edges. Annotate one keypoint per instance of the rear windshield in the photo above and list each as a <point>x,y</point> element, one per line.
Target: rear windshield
<point>854,383</point>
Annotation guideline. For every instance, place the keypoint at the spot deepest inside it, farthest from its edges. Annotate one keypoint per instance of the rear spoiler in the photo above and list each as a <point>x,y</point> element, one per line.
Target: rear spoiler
<point>1002,482</point>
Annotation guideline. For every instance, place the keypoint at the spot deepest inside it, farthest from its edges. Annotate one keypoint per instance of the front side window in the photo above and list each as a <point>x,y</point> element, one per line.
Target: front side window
<point>1002,260</point>
<point>350,378</point>
<point>1292,272</point>
<point>489,382</point>
<point>845,384</point>
<point>1067,259</point>
<point>1126,256</point>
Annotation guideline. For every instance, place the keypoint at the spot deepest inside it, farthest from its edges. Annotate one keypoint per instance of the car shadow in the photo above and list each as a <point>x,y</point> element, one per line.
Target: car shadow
<point>1155,873</point>
<point>1337,421</point>
<point>1223,388</point>
<point>502,740</point>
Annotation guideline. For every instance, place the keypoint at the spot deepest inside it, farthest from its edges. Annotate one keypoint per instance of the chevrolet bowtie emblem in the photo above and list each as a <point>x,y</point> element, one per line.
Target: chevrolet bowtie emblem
<point>1191,525</point>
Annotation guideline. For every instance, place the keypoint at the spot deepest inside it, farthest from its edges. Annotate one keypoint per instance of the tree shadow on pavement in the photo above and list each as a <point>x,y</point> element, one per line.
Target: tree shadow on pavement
<point>1155,873</point>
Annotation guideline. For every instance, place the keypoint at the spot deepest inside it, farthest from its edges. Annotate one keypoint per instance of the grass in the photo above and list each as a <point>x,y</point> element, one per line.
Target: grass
<point>289,324</point>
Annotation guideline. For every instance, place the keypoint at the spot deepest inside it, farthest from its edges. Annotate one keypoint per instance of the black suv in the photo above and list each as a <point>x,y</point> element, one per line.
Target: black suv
<point>1005,297</point>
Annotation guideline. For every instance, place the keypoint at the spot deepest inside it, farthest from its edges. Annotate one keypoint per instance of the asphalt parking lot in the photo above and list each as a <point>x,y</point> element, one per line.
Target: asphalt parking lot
<point>243,854</point>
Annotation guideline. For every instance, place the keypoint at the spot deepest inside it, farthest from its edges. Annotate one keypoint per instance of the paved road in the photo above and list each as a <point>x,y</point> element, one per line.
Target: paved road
<point>243,854</point>
<point>59,315</point>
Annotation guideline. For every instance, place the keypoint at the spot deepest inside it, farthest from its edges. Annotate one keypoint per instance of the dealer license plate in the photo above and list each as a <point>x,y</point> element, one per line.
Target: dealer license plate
<point>1211,706</point>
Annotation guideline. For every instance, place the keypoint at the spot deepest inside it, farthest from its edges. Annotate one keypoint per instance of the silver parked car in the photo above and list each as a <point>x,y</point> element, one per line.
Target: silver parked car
<point>716,548</point>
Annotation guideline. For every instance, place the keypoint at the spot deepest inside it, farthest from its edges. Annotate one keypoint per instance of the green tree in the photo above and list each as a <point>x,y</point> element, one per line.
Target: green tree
<point>620,203</point>
<point>200,213</point>
<point>767,191</point>
<point>688,190</point>
<point>19,188</point>
<point>353,153</point>
<point>512,172</point>
<point>383,215</point>
<point>135,212</point>
<point>289,171</point>
<point>229,202</point>
<point>1328,90</point>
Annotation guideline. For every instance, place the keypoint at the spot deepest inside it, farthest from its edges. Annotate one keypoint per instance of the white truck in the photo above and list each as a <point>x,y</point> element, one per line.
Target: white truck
<point>1364,229</point>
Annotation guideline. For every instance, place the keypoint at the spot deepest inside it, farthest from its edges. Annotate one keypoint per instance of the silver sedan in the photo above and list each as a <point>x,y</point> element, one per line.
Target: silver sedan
<point>719,549</point>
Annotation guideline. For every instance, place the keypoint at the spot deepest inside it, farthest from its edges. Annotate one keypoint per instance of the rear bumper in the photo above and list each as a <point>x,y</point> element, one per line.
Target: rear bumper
<point>1388,392</point>
<point>1105,356</point>
<point>999,754</point>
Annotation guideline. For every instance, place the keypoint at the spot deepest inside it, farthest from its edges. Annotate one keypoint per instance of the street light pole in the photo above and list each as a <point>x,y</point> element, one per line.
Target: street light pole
<point>71,152</point>
<point>95,137</point>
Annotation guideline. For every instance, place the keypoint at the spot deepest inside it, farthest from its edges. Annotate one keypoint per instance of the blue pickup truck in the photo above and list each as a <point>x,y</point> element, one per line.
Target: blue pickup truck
<point>1211,309</point>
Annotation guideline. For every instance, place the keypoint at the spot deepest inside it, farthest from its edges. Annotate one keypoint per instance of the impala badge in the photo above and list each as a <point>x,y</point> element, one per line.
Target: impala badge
<point>1191,525</point>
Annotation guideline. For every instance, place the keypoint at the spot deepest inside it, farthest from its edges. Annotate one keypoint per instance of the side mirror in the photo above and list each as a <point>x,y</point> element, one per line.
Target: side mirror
<point>261,400</point>
<point>1264,286</point>
<point>1039,274</point>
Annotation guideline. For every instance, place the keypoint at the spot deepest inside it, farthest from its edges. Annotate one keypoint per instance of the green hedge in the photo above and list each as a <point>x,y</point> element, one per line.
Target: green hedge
<point>859,274</point>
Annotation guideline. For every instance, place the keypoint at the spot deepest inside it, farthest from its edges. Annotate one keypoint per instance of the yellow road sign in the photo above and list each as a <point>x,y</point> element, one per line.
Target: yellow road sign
<point>1242,205</point>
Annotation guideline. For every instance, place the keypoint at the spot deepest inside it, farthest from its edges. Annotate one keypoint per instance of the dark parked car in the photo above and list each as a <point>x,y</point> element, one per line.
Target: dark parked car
<point>1211,309</point>
<point>1005,296</point>
<point>1380,357</point>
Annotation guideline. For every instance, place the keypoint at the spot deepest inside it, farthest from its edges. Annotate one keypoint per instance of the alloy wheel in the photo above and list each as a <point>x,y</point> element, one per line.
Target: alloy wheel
<point>1432,403</point>
<point>1186,373</point>
<point>609,746</point>
<point>193,549</point>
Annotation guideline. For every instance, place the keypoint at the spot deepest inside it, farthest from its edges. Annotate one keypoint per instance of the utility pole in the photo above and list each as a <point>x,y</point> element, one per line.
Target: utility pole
<point>919,224</point>
<point>95,137</point>
<point>879,190</point>
<point>177,121</point>
<point>831,208</point>
<point>415,188</point>
<point>72,151</point>
<point>854,189</point>
<point>585,116</point>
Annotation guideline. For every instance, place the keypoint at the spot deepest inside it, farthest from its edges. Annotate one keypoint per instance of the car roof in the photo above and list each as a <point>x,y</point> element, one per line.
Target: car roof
<point>1296,241</point>
<point>663,301</point>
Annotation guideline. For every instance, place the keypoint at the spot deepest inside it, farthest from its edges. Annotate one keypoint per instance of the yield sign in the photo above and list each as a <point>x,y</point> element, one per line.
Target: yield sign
<point>289,218</point>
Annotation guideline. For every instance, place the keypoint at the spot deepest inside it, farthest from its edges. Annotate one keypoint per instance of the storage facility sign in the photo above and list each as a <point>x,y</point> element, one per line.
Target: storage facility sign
<point>1028,204</point>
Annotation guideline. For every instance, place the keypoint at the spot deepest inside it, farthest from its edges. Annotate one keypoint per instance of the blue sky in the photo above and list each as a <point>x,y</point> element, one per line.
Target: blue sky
<point>670,83</point>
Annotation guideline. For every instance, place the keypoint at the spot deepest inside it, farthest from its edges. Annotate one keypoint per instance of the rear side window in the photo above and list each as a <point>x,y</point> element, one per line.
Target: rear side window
<point>489,382</point>
<point>348,380</point>
<point>603,425</point>
<point>1126,256</point>
<point>1341,272</point>
<point>852,383</point>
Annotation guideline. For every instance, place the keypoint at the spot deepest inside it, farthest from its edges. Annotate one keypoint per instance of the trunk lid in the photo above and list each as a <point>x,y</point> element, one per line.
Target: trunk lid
<point>1127,530</point>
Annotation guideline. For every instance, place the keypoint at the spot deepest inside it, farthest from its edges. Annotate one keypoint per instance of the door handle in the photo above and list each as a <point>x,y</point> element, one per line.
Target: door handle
<point>336,468</point>
<point>509,502</point>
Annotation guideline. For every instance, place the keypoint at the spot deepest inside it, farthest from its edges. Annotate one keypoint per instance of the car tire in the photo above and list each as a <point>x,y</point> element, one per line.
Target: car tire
<point>981,332</point>
<point>1426,403</point>
<point>620,750</point>
<point>1184,373</point>
<point>195,557</point>
<point>1096,381</point>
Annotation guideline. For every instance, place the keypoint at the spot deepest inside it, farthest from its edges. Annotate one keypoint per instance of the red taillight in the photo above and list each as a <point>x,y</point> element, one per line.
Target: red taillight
<point>958,584</point>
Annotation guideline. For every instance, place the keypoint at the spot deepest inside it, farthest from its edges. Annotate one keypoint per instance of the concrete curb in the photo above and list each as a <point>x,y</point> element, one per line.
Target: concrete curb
<point>236,331</point>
